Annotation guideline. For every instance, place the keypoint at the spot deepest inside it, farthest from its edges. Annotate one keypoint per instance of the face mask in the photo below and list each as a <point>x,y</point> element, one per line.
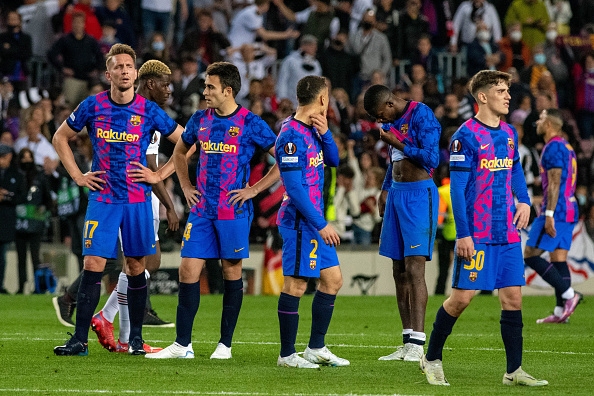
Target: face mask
<point>337,43</point>
<point>12,28</point>
<point>540,59</point>
<point>483,35</point>
<point>366,25</point>
<point>581,199</point>
<point>27,166</point>
<point>516,35</point>
<point>551,35</point>
<point>158,46</point>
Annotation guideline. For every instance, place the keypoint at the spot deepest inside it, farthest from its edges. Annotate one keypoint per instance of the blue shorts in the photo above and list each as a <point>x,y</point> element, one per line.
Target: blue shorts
<point>104,221</point>
<point>216,239</point>
<point>410,220</point>
<point>492,267</point>
<point>305,253</point>
<point>539,239</point>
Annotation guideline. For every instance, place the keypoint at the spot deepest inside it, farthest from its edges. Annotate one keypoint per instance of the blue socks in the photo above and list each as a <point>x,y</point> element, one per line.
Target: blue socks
<point>288,319</point>
<point>548,272</point>
<point>188,303</point>
<point>137,292</point>
<point>321,314</point>
<point>232,300</point>
<point>442,328</point>
<point>87,300</point>
<point>563,269</point>
<point>511,333</point>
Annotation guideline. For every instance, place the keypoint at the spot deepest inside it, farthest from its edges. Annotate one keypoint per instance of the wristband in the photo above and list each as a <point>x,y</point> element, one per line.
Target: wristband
<point>549,213</point>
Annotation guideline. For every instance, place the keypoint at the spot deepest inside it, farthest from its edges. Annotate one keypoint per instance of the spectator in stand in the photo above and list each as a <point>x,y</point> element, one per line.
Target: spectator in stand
<point>521,95</point>
<point>528,156</point>
<point>248,24</point>
<point>15,52</point>
<point>533,16</point>
<point>432,97</point>
<point>358,10</point>
<point>297,65</point>
<point>43,151</point>
<point>531,138</point>
<point>373,49</point>
<point>157,49</point>
<point>346,203</point>
<point>32,214</point>
<point>516,52</point>
<point>187,91</point>
<point>108,37</point>
<point>6,95</point>
<point>451,118</point>
<point>560,13</point>
<point>439,14</point>
<point>37,23</point>
<point>12,193</point>
<point>584,95</point>
<point>269,97</point>
<point>425,55</point>
<point>411,26</point>
<point>546,83</point>
<point>114,12</point>
<point>482,53</point>
<point>203,42</point>
<point>466,103</point>
<point>338,65</point>
<point>468,14</point>
<point>532,73</point>
<point>92,26</point>
<point>253,62</point>
<point>557,64</point>
<point>79,57</point>
<point>156,15</point>
<point>387,16</point>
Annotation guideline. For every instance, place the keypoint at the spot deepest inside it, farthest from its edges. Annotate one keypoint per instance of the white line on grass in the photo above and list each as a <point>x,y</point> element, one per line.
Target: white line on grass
<point>190,392</point>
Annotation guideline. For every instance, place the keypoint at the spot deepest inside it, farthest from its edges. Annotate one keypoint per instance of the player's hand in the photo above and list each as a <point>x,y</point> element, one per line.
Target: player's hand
<point>550,227</point>
<point>329,236</point>
<point>465,248</point>
<point>382,203</point>
<point>142,174</point>
<point>172,220</point>
<point>522,215</point>
<point>91,180</point>
<point>391,138</point>
<point>192,195</point>
<point>320,122</point>
<point>241,195</point>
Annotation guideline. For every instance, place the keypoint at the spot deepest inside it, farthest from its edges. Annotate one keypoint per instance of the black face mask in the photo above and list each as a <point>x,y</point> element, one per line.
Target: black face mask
<point>307,67</point>
<point>337,43</point>
<point>27,166</point>
<point>367,25</point>
<point>12,28</point>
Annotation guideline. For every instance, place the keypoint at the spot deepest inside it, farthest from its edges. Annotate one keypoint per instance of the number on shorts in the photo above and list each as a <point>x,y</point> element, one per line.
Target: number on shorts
<point>93,224</point>
<point>477,261</point>
<point>313,251</point>
<point>187,231</point>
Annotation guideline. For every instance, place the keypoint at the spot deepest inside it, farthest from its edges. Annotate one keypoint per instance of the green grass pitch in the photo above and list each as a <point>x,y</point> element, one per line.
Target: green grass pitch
<point>362,329</point>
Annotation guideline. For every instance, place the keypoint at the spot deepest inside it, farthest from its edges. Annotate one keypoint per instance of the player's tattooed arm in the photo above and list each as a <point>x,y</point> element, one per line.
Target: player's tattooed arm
<point>554,176</point>
<point>248,192</point>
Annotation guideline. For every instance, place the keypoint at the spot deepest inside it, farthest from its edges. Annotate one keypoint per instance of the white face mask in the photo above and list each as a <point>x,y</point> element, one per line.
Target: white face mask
<point>516,35</point>
<point>551,35</point>
<point>483,35</point>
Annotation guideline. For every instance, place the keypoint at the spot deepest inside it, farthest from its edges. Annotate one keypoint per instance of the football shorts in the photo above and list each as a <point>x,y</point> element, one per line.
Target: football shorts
<point>539,239</point>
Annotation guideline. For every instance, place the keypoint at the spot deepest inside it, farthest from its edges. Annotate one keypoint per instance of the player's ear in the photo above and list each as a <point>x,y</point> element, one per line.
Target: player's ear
<point>107,75</point>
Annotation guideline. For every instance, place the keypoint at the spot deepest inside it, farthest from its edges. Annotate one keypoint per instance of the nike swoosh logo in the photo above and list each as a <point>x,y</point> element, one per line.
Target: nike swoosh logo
<point>484,146</point>
<point>154,245</point>
<point>412,247</point>
<point>203,128</point>
<point>237,250</point>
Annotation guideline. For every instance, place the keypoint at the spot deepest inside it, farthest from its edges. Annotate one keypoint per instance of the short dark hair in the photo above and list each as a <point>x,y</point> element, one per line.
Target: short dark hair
<point>228,75</point>
<point>374,97</point>
<point>346,171</point>
<point>487,79</point>
<point>308,89</point>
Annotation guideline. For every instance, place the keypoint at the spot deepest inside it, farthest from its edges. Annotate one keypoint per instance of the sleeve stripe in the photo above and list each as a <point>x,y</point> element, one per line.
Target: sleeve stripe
<point>460,169</point>
<point>516,161</point>
<point>185,141</point>
<point>267,148</point>
<point>293,168</point>
<point>172,130</point>
<point>69,123</point>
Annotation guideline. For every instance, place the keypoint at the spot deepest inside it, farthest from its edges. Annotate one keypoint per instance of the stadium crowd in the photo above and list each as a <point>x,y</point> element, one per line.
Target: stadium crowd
<point>52,57</point>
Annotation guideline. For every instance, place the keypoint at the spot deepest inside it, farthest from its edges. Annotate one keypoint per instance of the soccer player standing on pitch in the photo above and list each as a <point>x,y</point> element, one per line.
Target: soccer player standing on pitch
<point>227,135</point>
<point>484,169</point>
<point>120,124</point>
<point>303,146</point>
<point>411,203</point>
<point>553,229</point>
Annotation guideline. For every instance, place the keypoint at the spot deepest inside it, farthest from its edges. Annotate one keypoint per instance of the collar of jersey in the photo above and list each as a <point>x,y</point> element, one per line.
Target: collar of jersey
<point>301,122</point>
<point>118,104</point>
<point>227,116</point>
<point>487,126</point>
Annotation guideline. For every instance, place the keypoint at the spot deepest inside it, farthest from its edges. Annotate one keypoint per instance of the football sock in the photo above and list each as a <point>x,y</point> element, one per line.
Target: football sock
<point>288,319</point>
<point>148,306</point>
<point>72,291</point>
<point>321,314</point>
<point>567,294</point>
<point>558,311</point>
<point>547,271</point>
<point>136,302</point>
<point>232,299</point>
<point>189,301</point>
<point>88,298</point>
<point>124,317</point>
<point>111,307</point>
<point>511,333</point>
<point>406,335</point>
<point>418,337</point>
<point>442,328</point>
<point>563,270</point>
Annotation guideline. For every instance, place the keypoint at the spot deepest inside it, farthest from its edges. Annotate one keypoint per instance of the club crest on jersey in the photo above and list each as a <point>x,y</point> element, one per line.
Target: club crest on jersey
<point>456,146</point>
<point>510,143</point>
<point>234,131</point>
<point>473,276</point>
<point>135,120</point>
<point>404,129</point>
<point>290,148</point>
<point>87,243</point>
<point>312,264</point>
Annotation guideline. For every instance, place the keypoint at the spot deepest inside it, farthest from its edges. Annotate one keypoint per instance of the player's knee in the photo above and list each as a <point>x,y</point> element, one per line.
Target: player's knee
<point>529,251</point>
<point>296,288</point>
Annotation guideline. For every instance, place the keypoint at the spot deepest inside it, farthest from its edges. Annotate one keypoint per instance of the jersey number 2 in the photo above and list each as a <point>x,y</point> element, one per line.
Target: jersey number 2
<point>313,251</point>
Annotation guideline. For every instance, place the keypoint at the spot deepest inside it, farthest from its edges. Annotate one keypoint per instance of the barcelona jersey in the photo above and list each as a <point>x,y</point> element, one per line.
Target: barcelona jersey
<point>489,154</point>
<point>557,153</point>
<point>120,134</point>
<point>226,145</point>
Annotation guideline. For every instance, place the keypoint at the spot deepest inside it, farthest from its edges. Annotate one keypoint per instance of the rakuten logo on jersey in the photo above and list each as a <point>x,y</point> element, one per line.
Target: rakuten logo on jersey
<point>496,164</point>
<point>316,161</point>
<point>112,136</point>
<point>218,148</point>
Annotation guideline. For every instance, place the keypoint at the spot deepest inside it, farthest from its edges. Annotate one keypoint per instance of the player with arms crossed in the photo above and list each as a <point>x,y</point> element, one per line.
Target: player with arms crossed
<point>154,79</point>
<point>303,146</point>
<point>411,203</point>
<point>553,229</point>
<point>217,227</point>
<point>120,124</point>
<point>484,169</point>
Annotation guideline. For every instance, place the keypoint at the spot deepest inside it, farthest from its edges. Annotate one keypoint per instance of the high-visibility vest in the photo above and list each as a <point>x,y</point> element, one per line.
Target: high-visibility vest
<point>446,213</point>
